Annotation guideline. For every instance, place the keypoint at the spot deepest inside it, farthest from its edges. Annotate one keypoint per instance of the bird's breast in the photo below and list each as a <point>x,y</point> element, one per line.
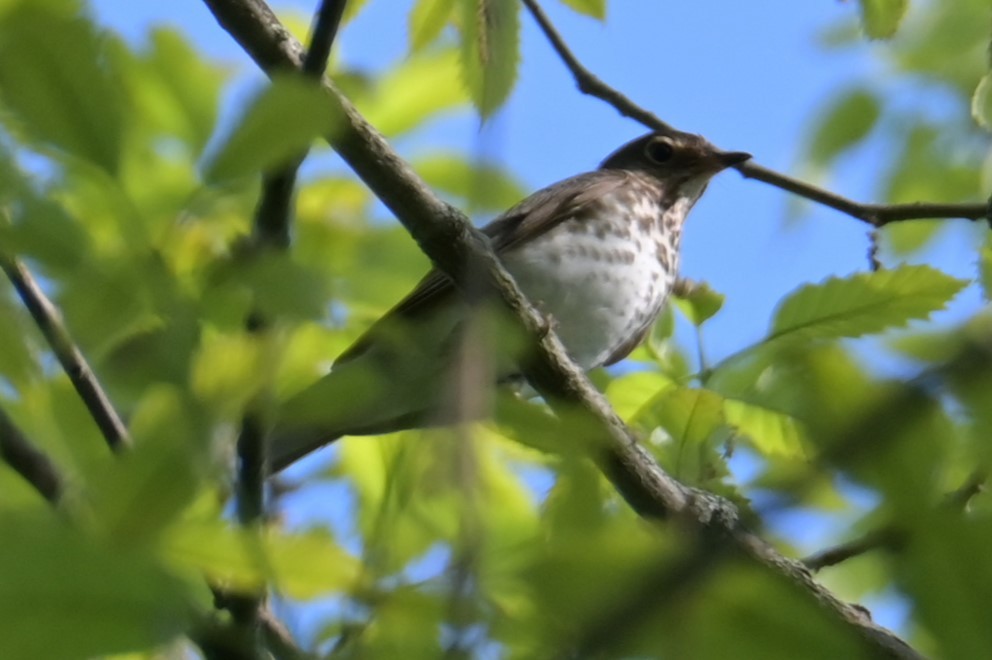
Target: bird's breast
<point>602,277</point>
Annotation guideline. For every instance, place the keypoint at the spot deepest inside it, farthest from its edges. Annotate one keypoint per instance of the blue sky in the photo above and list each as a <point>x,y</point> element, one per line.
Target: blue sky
<point>749,76</point>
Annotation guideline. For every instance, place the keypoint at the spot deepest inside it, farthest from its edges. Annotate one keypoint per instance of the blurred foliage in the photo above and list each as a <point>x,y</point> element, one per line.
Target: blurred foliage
<point>495,539</point>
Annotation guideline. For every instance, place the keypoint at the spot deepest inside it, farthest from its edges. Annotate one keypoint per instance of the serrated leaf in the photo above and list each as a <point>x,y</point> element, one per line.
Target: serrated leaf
<point>54,82</point>
<point>490,52</point>
<point>427,19</point>
<point>699,303</point>
<point>863,304</point>
<point>421,88</point>
<point>771,432</point>
<point>283,121</point>
<point>594,8</point>
<point>981,103</point>
<point>844,124</point>
<point>881,18</point>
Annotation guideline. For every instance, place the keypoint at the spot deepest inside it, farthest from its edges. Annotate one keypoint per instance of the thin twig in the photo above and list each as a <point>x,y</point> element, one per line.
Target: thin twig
<point>271,231</point>
<point>447,237</point>
<point>876,215</point>
<point>28,461</point>
<point>49,320</point>
<point>874,540</point>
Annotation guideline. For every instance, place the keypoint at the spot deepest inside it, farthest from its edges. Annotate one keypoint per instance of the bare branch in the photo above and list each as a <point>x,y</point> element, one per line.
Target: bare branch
<point>874,540</point>
<point>271,231</point>
<point>447,237</point>
<point>876,215</point>
<point>49,321</point>
<point>28,461</point>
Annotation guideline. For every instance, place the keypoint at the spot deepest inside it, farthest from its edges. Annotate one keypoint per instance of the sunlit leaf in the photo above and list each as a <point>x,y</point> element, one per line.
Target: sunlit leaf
<point>700,303</point>
<point>981,103</point>
<point>490,52</point>
<point>881,18</point>
<point>420,89</point>
<point>484,187</point>
<point>70,596</point>
<point>53,82</point>
<point>863,304</point>
<point>173,87</point>
<point>845,123</point>
<point>152,484</point>
<point>630,392</point>
<point>771,432</point>
<point>594,8</point>
<point>298,565</point>
<point>427,19</point>
<point>285,119</point>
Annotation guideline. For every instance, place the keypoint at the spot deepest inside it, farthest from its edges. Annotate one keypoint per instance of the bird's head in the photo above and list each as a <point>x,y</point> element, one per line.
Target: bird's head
<point>681,161</point>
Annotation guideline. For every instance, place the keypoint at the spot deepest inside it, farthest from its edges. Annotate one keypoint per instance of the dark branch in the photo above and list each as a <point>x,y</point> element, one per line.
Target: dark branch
<point>28,461</point>
<point>447,237</point>
<point>271,231</point>
<point>49,321</point>
<point>876,215</point>
<point>882,538</point>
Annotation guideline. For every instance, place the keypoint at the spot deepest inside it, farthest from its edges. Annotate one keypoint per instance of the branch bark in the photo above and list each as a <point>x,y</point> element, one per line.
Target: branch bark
<point>876,215</point>
<point>447,237</point>
<point>49,320</point>
<point>29,461</point>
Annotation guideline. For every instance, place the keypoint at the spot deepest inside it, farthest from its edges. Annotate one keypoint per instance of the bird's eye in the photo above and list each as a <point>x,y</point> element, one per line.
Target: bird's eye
<point>660,151</point>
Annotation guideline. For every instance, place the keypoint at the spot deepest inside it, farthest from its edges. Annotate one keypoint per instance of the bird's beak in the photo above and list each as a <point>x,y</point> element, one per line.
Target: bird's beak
<point>731,158</point>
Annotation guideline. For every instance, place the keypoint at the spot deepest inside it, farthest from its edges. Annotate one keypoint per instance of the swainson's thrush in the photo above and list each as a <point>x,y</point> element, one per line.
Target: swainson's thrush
<point>597,253</point>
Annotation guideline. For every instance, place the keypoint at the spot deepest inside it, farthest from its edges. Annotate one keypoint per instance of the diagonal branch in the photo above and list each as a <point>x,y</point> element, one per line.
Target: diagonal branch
<point>448,238</point>
<point>49,321</point>
<point>28,461</point>
<point>876,215</point>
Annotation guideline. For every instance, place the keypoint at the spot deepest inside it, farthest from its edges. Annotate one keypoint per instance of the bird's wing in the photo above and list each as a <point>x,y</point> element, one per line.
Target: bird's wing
<point>545,209</point>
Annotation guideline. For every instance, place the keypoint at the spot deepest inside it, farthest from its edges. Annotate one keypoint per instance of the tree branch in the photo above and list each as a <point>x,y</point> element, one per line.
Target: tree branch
<point>28,461</point>
<point>49,320</point>
<point>881,538</point>
<point>447,237</point>
<point>876,215</point>
<point>271,231</point>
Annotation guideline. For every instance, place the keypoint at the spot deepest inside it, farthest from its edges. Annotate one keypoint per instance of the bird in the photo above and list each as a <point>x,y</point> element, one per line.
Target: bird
<point>596,253</point>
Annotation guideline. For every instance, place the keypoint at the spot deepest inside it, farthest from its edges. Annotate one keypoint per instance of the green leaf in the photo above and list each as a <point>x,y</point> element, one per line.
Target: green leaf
<point>67,595</point>
<point>151,485</point>
<point>981,103</point>
<point>174,87</point>
<point>300,565</point>
<point>594,8</point>
<point>946,572</point>
<point>54,83</point>
<point>881,18</point>
<point>490,51</point>
<point>863,304</point>
<point>771,432</point>
<point>629,393</point>
<point>282,122</point>
<point>483,186</point>
<point>844,124</point>
<point>427,19</point>
<point>421,88</point>
<point>699,303</point>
